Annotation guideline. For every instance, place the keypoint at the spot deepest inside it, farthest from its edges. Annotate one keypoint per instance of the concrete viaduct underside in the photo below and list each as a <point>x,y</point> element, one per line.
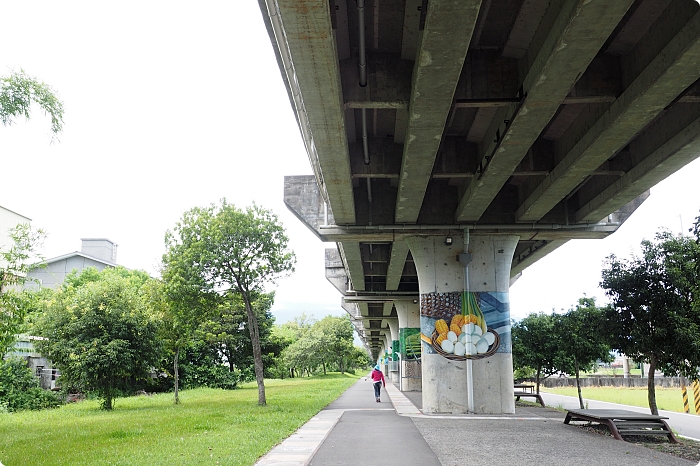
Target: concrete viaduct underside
<point>544,120</point>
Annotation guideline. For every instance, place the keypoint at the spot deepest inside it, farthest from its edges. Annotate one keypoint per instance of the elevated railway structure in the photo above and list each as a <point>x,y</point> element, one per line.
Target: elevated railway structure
<point>455,142</point>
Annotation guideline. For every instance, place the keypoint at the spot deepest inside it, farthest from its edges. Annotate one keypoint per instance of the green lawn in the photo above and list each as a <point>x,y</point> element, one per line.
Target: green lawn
<point>670,399</point>
<point>208,427</point>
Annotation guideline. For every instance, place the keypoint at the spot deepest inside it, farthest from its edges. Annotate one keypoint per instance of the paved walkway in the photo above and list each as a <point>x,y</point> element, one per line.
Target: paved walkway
<point>354,430</point>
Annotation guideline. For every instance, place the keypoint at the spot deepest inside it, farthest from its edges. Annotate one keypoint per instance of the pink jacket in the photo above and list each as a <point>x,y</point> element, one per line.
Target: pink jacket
<point>378,376</point>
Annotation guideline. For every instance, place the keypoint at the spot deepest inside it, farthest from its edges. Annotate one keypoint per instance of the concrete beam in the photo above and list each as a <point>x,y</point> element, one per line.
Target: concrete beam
<point>310,40</point>
<point>352,258</point>
<point>566,53</point>
<point>397,261</point>
<point>439,61</point>
<point>671,72</point>
<point>335,270</point>
<point>388,233</point>
<point>303,198</point>
<point>677,152</point>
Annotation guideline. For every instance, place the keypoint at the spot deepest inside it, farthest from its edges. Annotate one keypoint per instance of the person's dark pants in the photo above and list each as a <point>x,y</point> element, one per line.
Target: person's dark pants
<point>377,389</point>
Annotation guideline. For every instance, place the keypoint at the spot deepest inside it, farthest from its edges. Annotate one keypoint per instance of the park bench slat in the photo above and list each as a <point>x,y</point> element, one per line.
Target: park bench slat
<point>643,432</point>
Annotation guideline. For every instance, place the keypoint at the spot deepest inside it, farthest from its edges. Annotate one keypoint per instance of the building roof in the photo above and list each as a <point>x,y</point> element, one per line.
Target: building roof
<point>13,212</point>
<point>76,253</point>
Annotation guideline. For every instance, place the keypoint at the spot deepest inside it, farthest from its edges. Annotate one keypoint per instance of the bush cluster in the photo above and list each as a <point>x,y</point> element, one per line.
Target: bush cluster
<point>20,390</point>
<point>212,376</point>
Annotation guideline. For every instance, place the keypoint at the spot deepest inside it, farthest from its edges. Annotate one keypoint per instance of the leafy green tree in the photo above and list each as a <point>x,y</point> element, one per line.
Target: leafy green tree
<point>336,335</point>
<point>582,330</point>
<point>230,251</point>
<point>304,355</point>
<point>652,317</point>
<point>189,297</point>
<point>536,345</point>
<point>15,262</point>
<point>359,359</point>
<point>228,332</point>
<point>100,335</point>
<point>19,90</point>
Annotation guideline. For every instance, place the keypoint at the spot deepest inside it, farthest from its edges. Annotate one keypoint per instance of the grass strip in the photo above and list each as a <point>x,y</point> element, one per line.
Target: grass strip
<point>209,426</point>
<point>669,399</point>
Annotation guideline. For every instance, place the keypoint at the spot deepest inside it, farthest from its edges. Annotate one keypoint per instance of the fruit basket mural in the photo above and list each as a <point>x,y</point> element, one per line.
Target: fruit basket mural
<point>456,326</point>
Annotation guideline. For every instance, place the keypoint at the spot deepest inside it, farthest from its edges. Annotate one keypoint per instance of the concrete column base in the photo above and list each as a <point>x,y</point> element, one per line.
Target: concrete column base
<point>411,380</point>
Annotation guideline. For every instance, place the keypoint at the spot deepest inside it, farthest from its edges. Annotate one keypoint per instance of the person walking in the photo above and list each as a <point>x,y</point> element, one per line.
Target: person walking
<point>377,381</point>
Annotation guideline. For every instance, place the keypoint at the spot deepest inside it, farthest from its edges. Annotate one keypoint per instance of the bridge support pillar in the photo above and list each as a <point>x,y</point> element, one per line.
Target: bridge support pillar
<point>409,333</point>
<point>394,330</point>
<point>441,283</point>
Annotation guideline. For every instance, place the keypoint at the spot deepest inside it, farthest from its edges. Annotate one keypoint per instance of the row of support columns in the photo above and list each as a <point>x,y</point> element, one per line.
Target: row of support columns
<point>445,383</point>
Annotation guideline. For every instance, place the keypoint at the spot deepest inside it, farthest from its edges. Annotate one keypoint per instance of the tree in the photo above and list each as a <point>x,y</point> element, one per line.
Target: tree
<point>232,251</point>
<point>185,302</point>
<point>536,345</point>
<point>18,91</point>
<point>581,329</point>
<point>15,262</point>
<point>100,336</point>
<point>652,317</point>
<point>336,335</point>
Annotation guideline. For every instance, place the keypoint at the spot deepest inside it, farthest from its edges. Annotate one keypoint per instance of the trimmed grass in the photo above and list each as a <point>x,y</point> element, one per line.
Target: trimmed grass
<point>208,427</point>
<point>669,399</point>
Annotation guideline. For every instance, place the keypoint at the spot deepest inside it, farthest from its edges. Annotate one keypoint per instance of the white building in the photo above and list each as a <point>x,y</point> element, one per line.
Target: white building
<point>99,253</point>
<point>8,221</point>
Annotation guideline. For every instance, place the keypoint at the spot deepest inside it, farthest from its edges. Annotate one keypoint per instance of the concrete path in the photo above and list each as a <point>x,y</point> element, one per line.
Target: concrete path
<point>354,430</point>
<point>687,425</point>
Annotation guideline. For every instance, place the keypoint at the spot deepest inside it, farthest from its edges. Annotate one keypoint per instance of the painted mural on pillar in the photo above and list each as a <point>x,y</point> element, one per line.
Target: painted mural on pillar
<point>473,325</point>
<point>409,340</point>
<point>395,349</point>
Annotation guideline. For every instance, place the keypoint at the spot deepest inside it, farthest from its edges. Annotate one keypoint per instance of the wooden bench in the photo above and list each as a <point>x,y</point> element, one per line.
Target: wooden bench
<point>622,422</point>
<point>526,390</point>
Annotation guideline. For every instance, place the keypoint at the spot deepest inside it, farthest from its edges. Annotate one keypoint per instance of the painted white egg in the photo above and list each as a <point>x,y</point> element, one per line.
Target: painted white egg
<point>470,349</point>
<point>459,349</point>
<point>477,330</point>
<point>489,337</point>
<point>447,346</point>
<point>463,338</point>
<point>465,328</point>
<point>470,328</point>
<point>482,347</point>
<point>452,336</point>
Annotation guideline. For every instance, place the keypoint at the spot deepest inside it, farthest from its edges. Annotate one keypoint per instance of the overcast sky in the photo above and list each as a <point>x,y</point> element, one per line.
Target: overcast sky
<point>172,105</point>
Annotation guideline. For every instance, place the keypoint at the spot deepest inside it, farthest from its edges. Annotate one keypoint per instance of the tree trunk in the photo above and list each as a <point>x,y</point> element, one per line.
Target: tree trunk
<point>324,367</point>
<point>108,395</point>
<point>257,355</point>
<point>651,388</point>
<point>176,371</point>
<point>578,386</point>
<point>537,379</point>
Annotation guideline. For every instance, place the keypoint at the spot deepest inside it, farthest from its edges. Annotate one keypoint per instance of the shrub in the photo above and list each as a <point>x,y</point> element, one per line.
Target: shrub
<point>212,376</point>
<point>20,390</point>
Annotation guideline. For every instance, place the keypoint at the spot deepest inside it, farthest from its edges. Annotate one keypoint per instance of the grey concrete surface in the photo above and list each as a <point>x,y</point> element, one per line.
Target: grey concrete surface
<point>372,433</point>
<point>354,430</point>
<point>687,425</point>
<point>515,442</point>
